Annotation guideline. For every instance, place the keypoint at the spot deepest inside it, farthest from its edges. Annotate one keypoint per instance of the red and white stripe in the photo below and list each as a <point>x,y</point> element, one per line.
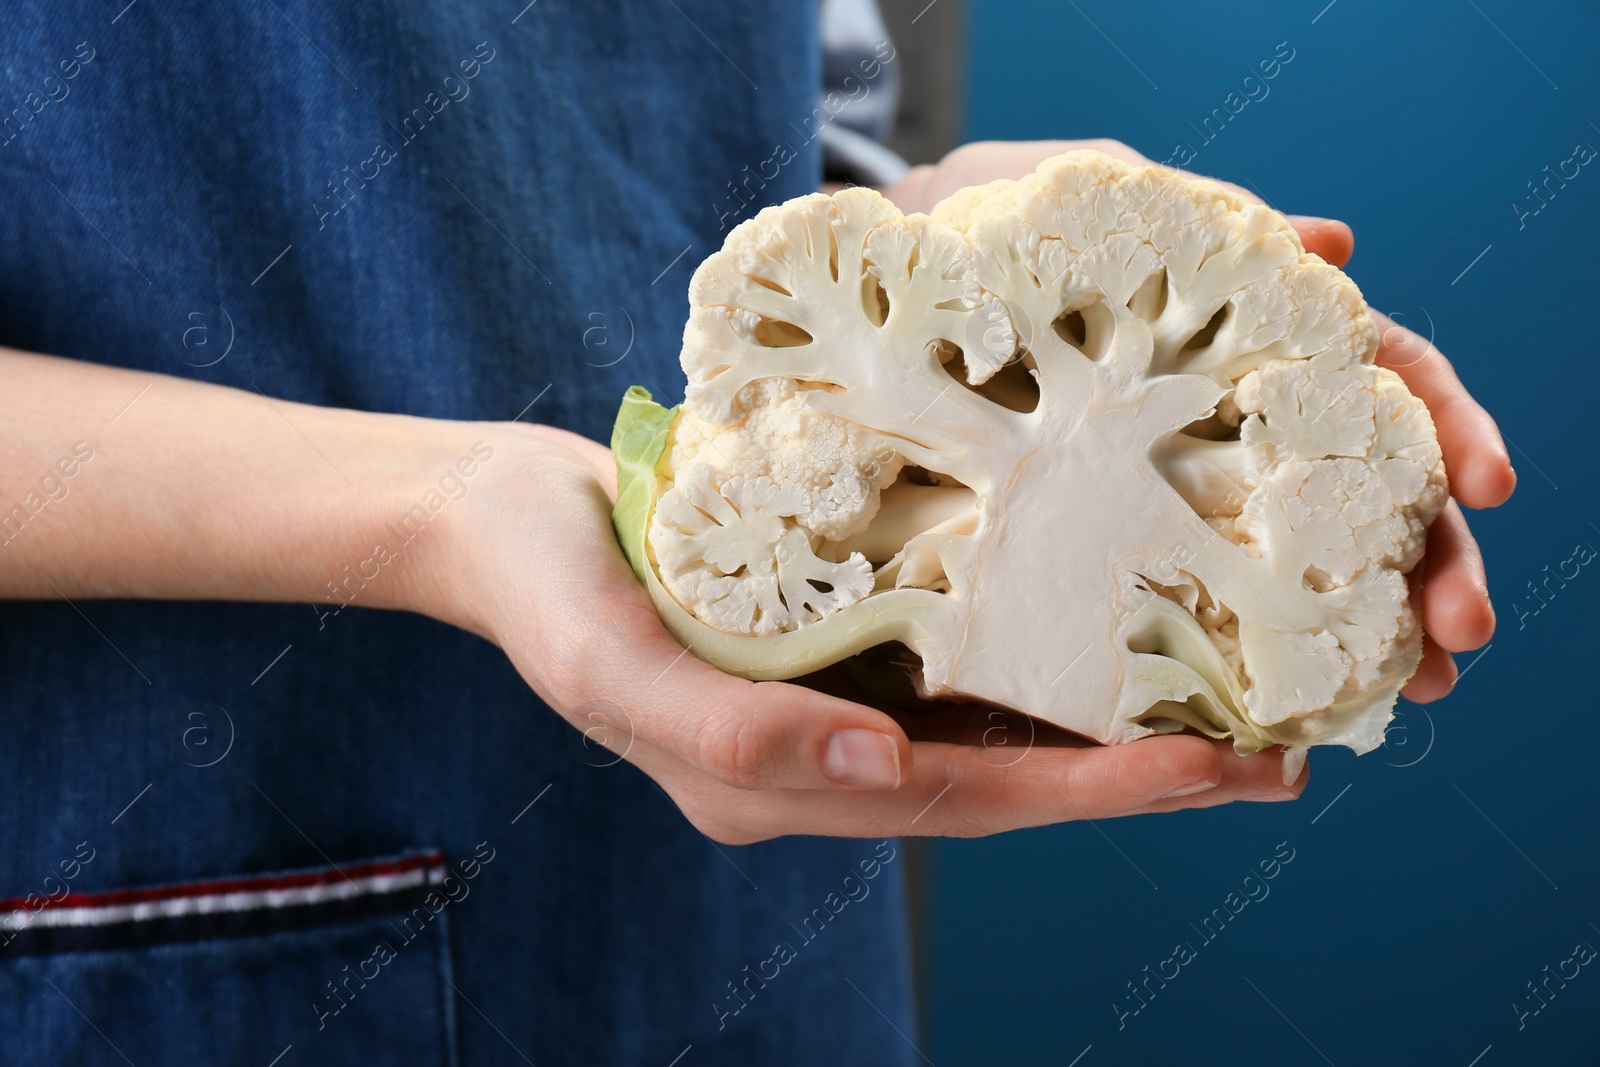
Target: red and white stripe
<point>224,896</point>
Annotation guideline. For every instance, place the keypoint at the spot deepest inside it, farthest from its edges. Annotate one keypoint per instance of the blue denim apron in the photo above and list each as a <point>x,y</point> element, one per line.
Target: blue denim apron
<point>246,834</point>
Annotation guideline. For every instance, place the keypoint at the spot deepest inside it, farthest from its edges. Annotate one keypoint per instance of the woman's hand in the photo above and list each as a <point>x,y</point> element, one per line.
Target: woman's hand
<point>1457,615</point>
<point>530,562</point>
<point>504,529</point>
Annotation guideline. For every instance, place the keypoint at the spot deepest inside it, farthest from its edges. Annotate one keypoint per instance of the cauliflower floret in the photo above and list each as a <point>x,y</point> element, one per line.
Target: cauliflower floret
<point>726,550</point>
<point>1348,465</point>
<point>1362,644</point>
<point>834,465</point>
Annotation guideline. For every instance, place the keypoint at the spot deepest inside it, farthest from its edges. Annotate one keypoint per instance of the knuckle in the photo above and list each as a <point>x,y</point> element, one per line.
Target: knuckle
<point>739,753</point>
<point>985,807</point>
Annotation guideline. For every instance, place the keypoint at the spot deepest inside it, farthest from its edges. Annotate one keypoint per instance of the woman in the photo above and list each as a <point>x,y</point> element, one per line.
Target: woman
<point>337,302</point>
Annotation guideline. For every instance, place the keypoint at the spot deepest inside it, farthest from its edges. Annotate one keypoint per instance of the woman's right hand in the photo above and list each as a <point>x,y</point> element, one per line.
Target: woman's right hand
<point>530,562</point>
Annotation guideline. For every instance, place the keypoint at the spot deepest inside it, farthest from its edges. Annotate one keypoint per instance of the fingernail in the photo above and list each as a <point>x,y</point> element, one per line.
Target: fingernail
<point>1192,788</point>
<point>864,758</point>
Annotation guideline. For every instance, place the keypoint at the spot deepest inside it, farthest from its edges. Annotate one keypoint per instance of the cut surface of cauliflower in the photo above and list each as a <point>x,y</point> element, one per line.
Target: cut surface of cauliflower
<point>727,549</point>
<point>1105,445</point>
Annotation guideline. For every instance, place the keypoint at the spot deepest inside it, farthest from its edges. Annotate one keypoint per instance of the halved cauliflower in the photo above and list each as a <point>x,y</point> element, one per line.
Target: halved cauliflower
<point>1105,445</point>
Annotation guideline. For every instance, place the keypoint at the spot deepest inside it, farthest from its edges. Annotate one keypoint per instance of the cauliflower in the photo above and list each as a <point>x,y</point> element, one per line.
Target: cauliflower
<point>1105,445</point>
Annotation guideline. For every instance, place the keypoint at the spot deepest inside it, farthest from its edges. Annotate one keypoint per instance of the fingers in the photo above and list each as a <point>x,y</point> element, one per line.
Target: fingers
<point>1255,777</point>
<point>1457,614</point>
<point>1456,610</point>
<point>1474,452</point>
<point>1435,677</point>
<point>742,734</point>
<point>958,791</point>
<point>1331,239</point>
<point>910,193</point>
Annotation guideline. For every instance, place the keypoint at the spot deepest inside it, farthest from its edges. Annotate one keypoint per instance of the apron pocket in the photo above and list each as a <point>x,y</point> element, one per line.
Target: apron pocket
<point>328,965</point>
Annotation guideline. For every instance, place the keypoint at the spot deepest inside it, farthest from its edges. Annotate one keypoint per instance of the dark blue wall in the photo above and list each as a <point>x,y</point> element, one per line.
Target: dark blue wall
<point>1418,906</point>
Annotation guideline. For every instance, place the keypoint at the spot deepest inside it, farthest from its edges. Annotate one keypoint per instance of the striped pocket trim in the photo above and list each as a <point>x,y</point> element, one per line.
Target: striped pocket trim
<point>224,907</point>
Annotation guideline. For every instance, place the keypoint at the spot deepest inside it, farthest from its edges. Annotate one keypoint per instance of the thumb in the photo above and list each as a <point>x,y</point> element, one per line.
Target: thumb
<point>1331,239</point>
<point>749,735</point>
<point>595,647</point>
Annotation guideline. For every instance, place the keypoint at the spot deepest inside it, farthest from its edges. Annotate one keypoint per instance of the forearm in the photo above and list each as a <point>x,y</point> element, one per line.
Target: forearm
<point>117,483</point>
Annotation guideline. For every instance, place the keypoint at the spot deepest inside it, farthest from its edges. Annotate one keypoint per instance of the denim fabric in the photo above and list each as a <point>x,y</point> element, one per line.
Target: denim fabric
<point>227,1002</point>
<point>205,195</point>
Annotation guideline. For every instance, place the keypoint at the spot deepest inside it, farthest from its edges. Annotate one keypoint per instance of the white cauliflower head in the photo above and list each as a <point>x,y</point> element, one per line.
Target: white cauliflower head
<point>1105,445</point>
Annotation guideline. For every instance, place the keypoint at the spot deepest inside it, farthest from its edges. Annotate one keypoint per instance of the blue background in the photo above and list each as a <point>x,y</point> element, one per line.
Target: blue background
<point>1407,924</point>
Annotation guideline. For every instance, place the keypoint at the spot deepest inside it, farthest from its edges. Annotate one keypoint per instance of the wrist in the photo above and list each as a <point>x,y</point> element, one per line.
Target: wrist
<point>416,473</point>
